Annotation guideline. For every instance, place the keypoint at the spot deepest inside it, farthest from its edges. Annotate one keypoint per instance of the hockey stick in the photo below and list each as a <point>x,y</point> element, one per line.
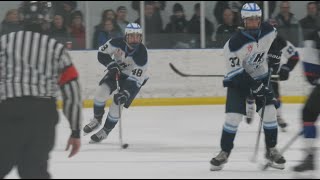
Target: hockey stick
<point>191,75</point>
<point>124,146</point>
<point>254,158</point>
<point>285,148</point>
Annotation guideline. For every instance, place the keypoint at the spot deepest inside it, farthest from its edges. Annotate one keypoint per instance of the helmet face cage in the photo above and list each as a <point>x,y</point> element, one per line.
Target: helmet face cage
<point>133,28</point>
<point>36,12</point>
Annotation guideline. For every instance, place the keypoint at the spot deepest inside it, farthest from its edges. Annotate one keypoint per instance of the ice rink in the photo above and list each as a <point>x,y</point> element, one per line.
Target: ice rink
<point>172,142</point>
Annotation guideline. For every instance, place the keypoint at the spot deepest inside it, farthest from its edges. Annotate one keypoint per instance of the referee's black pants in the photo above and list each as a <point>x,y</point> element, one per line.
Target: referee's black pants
<point>27,134</point>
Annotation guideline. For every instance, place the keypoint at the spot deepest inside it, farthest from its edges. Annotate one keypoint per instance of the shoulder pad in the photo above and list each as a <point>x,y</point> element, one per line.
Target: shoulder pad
<point>266,28</point>
<point>118,42</point>
<point>237,41</point>
<point>141,56</point>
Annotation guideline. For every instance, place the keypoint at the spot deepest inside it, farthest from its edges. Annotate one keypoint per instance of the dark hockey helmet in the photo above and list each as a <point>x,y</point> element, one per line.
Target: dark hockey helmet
<point>36,12</point>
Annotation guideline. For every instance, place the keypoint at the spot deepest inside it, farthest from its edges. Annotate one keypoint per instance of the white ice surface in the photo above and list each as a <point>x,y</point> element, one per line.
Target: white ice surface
<point>172,142</point>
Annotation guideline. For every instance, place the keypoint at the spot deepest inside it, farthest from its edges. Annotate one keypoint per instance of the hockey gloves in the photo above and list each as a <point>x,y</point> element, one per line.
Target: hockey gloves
<point>113,69</point>
<point>284,72</point>
<point>262,93</point>
<point>274,59</point>
<point>121,97</point>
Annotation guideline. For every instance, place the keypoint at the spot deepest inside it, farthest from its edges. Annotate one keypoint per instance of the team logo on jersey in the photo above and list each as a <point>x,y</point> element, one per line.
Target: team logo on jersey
<point>250,47</point>
<point>256,60</point>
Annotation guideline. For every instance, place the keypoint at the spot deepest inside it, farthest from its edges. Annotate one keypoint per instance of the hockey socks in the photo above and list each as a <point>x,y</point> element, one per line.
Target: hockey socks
<point>98,109</point>
<point>227,141</point>
<point>110,122</point>
<point>271,133</point>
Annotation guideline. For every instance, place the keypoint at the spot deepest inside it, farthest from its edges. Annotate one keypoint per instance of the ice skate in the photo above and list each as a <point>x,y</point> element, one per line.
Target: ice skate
<point>218,162</point>
<point>93,125</point>
<point>306,165</point>
<point>275,159</point>
<point>99,136</point>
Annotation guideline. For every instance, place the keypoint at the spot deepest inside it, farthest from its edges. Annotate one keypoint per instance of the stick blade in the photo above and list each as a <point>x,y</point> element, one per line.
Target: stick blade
<point>176,70</point>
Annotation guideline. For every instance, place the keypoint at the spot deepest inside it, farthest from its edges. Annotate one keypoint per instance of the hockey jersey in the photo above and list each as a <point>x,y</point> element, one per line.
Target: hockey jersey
<point>134,63</point>
<point>246,54</point>
<point>311,61</point>
<point>287,50</point>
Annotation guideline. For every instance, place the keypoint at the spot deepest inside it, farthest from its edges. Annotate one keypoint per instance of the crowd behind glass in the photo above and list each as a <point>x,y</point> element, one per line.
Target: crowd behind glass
<point>68,24</point>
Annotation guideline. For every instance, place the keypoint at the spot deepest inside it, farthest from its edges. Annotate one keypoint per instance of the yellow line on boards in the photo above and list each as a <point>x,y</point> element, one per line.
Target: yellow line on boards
<point>186,101</point>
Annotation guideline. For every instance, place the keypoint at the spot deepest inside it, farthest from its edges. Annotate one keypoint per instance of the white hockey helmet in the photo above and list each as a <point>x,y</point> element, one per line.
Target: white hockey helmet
<point>250,10</point>
<point>133,28</point>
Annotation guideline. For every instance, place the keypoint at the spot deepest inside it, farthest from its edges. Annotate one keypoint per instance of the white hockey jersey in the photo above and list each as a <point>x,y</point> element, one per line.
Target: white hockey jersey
<point>133,64</point>
<point>245,53</point>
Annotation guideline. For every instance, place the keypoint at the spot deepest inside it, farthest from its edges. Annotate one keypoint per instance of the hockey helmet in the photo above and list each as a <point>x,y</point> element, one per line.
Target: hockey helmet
<point>36,12</point>
<point>133,35</point>
<point>250,10</point>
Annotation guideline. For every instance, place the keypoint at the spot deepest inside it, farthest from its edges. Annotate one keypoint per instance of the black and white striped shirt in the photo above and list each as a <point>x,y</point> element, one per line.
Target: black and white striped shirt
<point>33,64</point>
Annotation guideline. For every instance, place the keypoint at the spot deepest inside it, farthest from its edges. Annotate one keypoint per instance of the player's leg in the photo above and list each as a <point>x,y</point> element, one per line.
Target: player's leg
<point>235,110</point>
<point>310,114</point>
<point>107,86</point>
<point>110,123</point>
<point>276,89</point>
<point>270,127</point>
<point>112,119</point>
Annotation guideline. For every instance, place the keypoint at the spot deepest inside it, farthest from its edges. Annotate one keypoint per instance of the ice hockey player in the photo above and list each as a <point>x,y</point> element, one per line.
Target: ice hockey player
<point>280,48</point>
<point>311,108</point>
<point>246,55</point>
<point>129,57</point>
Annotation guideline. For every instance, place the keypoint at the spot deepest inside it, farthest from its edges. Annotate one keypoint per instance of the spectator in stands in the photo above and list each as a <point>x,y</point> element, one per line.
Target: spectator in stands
<point>153,24</point>
<point>178,22</point>
<point>158,5</point>
<point>59,30</point>
<point>11,22</point>
<point>235,7</point>
<point>121,18</point>
<point>288,26</point>
<point>78,31</point>
<point>108,32</point>
<point>65,8</point>
<point>194,23</point>
<point>106,14</point>
<point>226,29</point>
<point>311,21</point>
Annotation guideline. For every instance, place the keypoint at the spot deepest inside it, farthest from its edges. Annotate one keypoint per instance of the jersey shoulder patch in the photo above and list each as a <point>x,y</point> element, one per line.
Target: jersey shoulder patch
<point>141,56</point>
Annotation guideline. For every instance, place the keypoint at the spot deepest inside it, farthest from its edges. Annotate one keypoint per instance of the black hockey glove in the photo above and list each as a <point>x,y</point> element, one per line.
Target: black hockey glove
<point>121,97</point>
<point>113,69</point>
<point>284,72</point>
<point>262,93</point>
<point>274,59</point>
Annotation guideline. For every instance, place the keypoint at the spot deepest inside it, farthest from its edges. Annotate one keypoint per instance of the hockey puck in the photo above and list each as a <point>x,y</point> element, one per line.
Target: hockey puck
<point>125,146</point>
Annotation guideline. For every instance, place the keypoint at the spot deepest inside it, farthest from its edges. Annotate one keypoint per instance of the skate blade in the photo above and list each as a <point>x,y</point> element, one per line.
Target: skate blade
<point>216,168</point>
<point>94,142</point>
<point>276,166</point>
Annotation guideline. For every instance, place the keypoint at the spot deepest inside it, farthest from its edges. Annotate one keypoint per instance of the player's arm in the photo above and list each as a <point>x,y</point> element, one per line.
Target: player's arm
<point>290,53</point>
<point>274,54</point>
<point>234,75</point>
<point>311,62</point>
<point>133,83</point>
<point>106,52</point>
<point>71,93</point>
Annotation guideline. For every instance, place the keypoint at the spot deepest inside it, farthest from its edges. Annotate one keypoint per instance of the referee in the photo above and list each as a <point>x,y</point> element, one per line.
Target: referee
<point>33,67</point>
